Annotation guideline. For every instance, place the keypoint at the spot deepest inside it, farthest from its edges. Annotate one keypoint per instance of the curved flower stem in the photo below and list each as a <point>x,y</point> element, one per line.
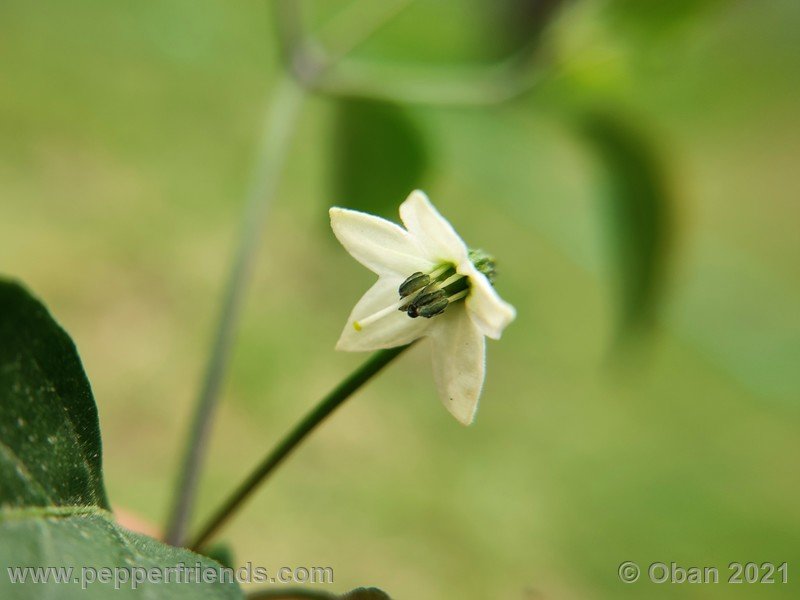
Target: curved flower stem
<point>278,126</point>
<point>293,439</point>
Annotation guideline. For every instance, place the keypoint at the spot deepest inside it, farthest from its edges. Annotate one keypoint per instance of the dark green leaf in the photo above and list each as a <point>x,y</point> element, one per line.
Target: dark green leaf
<point>87,543</point>
<point>378,156</point>
<point>638,214</point>
<point>518,24</point>
<point>308,594</point>
<point>223,554</point>
<point>366,594</point>
<point>53,506</point>
<point>50,451</point>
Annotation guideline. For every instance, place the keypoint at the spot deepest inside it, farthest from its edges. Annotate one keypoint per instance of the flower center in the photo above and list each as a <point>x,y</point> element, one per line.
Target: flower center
<point>429,294</point>
<point>424,295</point>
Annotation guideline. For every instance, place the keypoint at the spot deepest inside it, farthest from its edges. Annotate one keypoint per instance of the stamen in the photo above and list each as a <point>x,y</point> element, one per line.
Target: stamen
<point>413,284</point>
<point>434,275</point>
<point>457,286</point>
<point>429,309</point>
<point>452,279</point>
<point>458,296</point>
<point>427,304</point>
<point>424,295</point>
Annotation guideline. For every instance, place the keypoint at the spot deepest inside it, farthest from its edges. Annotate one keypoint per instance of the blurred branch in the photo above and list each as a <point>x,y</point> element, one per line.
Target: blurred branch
<point>306,58</point>
<point>324,71</point>
<point>279,123</point>
<point>281,116</point>
<point>442,86</point>
<point>356,24</point>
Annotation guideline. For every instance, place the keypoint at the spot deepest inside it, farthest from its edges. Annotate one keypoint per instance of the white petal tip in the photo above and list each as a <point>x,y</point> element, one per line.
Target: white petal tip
<point>418,200</point>
<point>461,411</point>
<point>345,343</point>
<point>508,316</point>
<point>343,347</point>
<point>335,211</point>
<point>465,422</point>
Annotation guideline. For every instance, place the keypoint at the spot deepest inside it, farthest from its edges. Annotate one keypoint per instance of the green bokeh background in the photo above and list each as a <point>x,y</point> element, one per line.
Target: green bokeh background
<point>127,133</point>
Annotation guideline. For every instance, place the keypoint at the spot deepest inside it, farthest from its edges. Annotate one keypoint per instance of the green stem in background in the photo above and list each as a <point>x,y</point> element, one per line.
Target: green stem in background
<point>280,120</point>
<point>316,69</point>
<point>279,124</point>
<point>293,439</point>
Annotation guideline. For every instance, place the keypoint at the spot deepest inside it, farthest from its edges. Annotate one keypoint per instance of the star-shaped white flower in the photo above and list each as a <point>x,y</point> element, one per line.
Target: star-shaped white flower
<point>429,285</point>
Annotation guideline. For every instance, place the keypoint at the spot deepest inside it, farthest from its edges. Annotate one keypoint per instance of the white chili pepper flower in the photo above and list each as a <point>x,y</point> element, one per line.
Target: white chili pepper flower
<point>429,285</point>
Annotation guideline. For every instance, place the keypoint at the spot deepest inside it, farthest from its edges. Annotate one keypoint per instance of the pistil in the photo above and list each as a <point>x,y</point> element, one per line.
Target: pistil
<point>359,325</point>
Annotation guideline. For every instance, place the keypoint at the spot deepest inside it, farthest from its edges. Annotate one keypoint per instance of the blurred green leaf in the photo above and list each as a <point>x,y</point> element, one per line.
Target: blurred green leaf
<point>53,505</point>
<point>519,23</point>
<point>644,19</point>
<point>638,210</point>
<point>379,156</point>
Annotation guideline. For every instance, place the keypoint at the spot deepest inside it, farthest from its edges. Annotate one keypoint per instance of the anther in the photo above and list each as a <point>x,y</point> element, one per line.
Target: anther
<point>414,284</point>
<point>428,304</point>
<point>433,308</point>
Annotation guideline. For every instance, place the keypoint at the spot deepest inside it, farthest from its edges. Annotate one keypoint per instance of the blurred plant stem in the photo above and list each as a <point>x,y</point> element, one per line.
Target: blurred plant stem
<point>281,116</point>
<point>293,439</point>
<point>306,57</point>
<point>327,72</point>
<point>278,127</point>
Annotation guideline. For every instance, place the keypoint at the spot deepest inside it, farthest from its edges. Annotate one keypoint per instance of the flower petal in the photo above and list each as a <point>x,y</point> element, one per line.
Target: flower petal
<point>486,308</point>
<point>395,329</point>
<point>380,245</point>
<point>431,230</point>
<point>459,363</point>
